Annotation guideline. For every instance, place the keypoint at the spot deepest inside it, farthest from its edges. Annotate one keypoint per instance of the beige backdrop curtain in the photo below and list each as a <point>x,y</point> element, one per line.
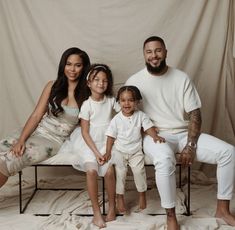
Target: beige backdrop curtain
<point>199,35</point>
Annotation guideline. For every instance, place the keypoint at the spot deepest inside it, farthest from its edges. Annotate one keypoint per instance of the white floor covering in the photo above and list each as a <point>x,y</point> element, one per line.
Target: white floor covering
<point>69,203</point>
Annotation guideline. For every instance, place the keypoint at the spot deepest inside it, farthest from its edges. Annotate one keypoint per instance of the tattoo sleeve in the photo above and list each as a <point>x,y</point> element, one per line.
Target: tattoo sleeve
<point>194,127</point>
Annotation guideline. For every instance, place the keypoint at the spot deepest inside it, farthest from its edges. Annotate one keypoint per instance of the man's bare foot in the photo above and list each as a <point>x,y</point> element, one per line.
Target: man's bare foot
<point>98,221</point>
<point>172,223</point>
<point>142,201</point>
<point>228,218</point>
<point>121,207</point>
<point>111,215</point>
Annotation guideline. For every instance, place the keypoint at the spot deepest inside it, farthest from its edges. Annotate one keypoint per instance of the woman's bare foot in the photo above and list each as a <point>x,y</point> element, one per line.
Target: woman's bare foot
<point>111,215</point>
<point>98,221</point>
<point>142,200</point>
<point>121,207</point>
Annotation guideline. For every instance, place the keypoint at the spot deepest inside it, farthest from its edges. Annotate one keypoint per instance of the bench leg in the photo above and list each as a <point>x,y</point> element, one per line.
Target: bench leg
<point>188,198</point>
<point>23,208</point>
<point>103,195</point>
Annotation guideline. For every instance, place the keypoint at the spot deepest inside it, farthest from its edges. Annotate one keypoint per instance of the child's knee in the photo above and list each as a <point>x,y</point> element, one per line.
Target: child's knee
<point>138,171</point>
<point>110,172</point>
<point>91,172</point>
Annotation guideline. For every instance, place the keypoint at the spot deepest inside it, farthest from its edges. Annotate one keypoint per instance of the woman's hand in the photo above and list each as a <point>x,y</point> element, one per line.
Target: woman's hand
<point>18,148</point>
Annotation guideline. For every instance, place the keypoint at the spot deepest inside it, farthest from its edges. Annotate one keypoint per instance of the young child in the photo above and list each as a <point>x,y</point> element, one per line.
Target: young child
<point>95,116</point>
<point>124,132</point>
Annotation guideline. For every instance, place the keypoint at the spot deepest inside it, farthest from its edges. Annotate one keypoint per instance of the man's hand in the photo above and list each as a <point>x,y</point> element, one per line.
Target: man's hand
<point>187,155</point>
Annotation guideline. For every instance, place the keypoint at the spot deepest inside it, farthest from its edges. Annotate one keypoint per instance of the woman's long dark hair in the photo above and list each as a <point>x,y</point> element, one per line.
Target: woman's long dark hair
<point>59,90</point>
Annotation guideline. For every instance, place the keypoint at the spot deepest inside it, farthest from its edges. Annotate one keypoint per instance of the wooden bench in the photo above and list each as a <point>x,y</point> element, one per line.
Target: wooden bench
<point>148,163</point>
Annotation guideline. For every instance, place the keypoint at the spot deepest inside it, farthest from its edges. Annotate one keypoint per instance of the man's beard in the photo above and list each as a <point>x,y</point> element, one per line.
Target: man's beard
<point>157,69</point>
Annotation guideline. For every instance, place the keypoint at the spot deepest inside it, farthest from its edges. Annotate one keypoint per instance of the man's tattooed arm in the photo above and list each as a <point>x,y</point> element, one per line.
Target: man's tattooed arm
<point>194,127</point>
<point>194,130</point>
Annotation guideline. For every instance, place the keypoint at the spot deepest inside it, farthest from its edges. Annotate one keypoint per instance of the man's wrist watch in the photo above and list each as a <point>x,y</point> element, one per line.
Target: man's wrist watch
<point>192,144</point>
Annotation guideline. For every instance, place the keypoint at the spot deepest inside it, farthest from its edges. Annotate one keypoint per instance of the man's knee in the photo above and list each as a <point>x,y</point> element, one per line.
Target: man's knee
<point>228,156</point>
<point>165,166</point>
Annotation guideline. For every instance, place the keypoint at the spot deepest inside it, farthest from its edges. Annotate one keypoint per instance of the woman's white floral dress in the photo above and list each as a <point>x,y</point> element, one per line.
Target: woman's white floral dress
<point>44,143</point>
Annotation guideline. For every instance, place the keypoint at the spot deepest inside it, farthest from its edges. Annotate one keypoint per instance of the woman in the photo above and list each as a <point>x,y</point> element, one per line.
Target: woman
<point>53,119</point>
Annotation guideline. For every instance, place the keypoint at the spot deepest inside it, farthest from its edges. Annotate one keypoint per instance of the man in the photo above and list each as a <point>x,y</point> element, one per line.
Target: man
<point>169,96</point>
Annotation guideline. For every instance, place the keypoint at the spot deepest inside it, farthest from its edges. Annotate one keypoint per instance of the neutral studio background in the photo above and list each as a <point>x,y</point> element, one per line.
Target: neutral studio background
<point>200,40</point>
<point>199,35</point>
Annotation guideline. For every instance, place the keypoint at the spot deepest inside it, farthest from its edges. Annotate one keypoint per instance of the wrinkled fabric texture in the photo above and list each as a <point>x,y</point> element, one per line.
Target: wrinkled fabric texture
<point>42,144</point>
<point>199,36</point>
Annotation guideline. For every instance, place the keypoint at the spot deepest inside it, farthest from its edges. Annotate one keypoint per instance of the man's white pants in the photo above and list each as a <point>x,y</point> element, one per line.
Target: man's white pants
<point>210,150</point>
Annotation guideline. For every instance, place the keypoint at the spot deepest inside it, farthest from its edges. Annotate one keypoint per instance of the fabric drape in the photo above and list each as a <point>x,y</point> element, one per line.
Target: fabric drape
<point>199,35</point>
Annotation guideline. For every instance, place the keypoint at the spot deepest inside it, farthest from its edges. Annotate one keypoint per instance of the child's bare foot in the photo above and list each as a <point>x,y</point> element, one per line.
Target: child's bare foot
<point>98,221</point>
<point>142,200</point>
<point>111,215</point>
<point>121,207</point>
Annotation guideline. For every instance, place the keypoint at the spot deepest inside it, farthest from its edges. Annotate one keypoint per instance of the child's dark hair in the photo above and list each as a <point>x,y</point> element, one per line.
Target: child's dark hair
<point>94,70</point>
<point>131,88</point>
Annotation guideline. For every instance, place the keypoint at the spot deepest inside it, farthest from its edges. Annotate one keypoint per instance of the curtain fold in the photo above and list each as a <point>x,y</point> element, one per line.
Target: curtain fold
<point>199,35</point>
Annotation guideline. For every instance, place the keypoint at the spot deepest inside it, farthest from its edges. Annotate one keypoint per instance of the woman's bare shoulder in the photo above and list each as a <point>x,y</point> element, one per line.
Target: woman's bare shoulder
<point>49,85</point>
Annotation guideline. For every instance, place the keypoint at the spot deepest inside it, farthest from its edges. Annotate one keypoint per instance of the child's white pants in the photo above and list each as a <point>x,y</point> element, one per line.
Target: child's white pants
<point>136,163</point>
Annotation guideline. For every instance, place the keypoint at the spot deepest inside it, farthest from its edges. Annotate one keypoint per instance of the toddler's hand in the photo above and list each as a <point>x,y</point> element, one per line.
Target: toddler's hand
<point>107,156</point>
<point>156,129</point>
<point>158,138</point>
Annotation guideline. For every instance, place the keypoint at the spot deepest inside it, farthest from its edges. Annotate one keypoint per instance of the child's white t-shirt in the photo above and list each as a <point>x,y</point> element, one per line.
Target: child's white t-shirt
<point>127,131</point>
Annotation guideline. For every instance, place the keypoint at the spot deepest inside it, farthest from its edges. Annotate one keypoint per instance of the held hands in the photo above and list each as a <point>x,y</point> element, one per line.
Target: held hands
<point>100,159</point>
<point>187,155</point>
<point>107,156</point>
<point>18,149</point>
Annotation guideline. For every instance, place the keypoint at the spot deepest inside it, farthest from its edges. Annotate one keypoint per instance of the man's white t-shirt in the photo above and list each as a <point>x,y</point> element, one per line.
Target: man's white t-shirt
<point>166,98</point>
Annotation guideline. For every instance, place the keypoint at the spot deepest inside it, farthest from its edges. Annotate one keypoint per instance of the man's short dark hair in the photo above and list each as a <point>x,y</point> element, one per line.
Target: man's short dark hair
<point>154,38</point>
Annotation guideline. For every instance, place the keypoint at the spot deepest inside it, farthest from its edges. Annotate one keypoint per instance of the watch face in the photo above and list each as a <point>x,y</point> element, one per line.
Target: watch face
<point>191,144</point>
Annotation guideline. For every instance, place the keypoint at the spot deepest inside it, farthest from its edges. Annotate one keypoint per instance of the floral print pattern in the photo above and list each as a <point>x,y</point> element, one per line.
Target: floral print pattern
<point>41,145</point>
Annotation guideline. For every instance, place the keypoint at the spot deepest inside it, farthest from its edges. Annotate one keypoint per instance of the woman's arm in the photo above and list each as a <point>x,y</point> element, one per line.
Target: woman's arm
<point>33,120</point>
<point>85,126</point>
